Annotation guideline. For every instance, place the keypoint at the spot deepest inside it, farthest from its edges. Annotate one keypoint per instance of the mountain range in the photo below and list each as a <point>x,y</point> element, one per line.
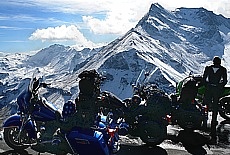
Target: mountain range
<point>169,45</point>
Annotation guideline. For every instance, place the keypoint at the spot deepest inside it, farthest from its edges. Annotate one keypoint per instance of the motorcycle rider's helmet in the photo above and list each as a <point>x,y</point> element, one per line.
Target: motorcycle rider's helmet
<point>136,99</point>
<point>216,60</point>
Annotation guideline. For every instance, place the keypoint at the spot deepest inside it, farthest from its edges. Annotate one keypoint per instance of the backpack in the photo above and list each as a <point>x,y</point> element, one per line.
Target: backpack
<point>89,83</point>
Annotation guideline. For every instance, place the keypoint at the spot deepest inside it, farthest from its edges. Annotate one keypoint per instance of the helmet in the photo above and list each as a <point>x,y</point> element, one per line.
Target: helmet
<point>216,60</point>
<point>136,99</point>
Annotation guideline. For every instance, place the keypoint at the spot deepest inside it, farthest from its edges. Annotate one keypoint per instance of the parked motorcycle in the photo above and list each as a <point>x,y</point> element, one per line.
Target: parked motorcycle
<point>191,113</point>
<point>39,125</point>
<point>187,111</point>
<point>146,112</point>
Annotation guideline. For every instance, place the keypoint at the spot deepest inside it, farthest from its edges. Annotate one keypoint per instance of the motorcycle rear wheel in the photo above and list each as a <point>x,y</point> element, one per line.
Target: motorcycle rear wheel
<point>153,133</point>
<point>223,132</point>
<point>10,136</point>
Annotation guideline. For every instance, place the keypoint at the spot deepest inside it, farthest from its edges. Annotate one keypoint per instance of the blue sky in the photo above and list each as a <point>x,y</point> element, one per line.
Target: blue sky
<point>30,25</point>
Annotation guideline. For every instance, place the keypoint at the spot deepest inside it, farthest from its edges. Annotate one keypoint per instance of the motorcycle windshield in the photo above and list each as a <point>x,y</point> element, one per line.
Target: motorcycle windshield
<point>36,80</point>
<point>23,100</point>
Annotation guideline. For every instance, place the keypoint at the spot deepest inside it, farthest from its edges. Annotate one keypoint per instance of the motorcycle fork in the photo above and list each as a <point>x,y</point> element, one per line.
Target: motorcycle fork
<point>24,120</point>
<point>205,117</point>
<point>74,153</point>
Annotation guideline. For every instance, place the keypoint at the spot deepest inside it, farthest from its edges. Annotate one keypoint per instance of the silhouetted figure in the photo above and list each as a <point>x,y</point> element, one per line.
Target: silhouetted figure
<point>214,79</point>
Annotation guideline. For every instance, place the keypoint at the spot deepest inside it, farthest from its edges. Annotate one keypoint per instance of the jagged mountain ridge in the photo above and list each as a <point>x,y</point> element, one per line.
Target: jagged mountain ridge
<point>169,45</point>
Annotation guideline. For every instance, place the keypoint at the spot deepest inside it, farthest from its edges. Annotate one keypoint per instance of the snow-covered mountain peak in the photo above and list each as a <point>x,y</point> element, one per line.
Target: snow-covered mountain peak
<point>44,56</point>
<point>198,28</point>
<point>59,57</point>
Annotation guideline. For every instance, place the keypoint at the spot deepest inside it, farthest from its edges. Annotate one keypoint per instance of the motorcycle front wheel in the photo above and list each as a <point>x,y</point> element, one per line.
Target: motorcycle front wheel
<point>12,139</point>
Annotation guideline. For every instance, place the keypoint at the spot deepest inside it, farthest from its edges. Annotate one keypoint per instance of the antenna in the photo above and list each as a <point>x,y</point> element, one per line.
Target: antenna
<point>138,79</point>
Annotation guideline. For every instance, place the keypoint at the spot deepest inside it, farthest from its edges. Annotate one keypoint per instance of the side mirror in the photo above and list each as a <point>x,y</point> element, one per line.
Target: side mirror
<point>44,85</point>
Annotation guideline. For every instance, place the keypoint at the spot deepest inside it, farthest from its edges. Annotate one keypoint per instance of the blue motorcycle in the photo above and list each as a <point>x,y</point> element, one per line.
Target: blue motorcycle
<point>38,124</point>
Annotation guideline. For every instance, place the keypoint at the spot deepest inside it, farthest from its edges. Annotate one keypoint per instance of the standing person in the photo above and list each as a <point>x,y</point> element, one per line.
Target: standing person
<point>214,78</point>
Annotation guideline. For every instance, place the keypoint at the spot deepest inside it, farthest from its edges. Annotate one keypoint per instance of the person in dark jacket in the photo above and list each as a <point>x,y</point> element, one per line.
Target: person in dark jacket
<point>214,78</point>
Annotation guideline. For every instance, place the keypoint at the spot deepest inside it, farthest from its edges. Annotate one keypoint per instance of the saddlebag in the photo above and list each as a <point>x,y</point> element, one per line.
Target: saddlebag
<point>87,142</point>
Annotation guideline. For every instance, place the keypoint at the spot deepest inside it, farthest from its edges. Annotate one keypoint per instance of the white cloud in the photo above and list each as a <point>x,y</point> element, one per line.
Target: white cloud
<point>113,24</point>
<point>13,28</point>
<point>61,33</point>
<point>121,17</point>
